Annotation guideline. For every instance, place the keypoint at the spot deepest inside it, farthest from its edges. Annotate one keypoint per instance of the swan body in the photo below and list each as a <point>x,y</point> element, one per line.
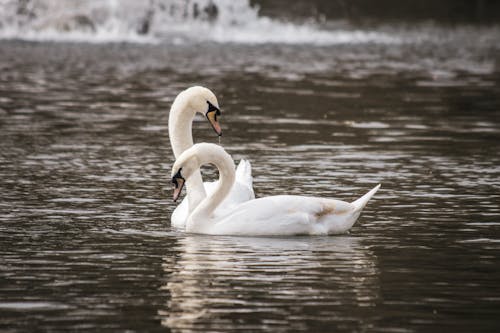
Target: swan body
<point>270,216</point>
<point>184,108</point>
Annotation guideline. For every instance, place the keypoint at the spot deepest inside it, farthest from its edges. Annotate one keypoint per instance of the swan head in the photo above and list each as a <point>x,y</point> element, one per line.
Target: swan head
<point>191,160</point>
<point>183,168</point>
<point>203,100</point>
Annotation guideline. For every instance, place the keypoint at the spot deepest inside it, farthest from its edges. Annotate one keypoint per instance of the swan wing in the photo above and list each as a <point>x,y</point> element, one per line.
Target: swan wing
<point>244,179</point>
<point>285,215</point>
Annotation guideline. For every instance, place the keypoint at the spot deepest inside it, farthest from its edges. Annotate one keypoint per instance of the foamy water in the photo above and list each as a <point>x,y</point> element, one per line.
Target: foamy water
<point>167,20</point>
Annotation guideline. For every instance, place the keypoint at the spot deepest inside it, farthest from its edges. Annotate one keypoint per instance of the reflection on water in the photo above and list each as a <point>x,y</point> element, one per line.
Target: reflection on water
<point>268,282</point>
<point>85,242</point>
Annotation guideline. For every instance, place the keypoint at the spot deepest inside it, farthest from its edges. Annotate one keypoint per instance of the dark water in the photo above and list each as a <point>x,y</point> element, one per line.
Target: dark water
<point>85,240</point>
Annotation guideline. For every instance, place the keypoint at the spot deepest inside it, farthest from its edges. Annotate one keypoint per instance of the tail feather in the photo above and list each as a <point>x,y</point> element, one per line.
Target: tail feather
<point>244,173</point>
<point>360,203</point>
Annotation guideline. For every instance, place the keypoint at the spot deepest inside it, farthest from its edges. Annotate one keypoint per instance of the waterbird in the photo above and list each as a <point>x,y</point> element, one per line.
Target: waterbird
<point>282,215</point>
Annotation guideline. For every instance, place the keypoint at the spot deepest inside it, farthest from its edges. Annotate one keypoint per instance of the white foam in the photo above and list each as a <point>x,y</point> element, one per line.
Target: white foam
<point>178,21</point>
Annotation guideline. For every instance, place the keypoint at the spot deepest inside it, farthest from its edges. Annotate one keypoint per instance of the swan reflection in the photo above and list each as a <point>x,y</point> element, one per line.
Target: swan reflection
<point>255,283</point>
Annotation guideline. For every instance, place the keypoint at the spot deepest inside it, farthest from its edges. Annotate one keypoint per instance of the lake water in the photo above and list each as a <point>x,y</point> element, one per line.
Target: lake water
<point>85,197</point>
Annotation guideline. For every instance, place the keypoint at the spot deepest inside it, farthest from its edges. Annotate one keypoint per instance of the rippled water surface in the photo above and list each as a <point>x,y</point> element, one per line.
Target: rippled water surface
<point>85,237</point>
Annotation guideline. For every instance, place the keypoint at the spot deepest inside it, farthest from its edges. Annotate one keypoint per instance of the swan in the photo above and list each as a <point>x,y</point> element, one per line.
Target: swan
<point>184,108</point>
<point>269,216</point>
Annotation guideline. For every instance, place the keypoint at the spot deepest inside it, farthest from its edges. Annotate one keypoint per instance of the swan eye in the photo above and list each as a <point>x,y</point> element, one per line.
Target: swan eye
<point>177,176</point>
<point>213,108</point>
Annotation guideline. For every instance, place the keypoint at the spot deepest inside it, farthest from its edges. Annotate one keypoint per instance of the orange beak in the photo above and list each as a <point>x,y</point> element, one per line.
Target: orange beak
<point>211,115</point>
<point>178,182</point>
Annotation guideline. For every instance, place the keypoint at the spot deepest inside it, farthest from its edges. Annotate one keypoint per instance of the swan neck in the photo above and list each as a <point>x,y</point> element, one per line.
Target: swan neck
<point>180,122</point>
<point>201,217</point>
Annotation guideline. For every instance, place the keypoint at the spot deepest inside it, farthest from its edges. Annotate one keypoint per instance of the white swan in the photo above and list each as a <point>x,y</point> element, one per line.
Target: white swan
<point>275,215</point>
<point>183,110</point>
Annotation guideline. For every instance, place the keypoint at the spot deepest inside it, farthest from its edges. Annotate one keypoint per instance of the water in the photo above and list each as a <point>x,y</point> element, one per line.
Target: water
<point>85,197</point>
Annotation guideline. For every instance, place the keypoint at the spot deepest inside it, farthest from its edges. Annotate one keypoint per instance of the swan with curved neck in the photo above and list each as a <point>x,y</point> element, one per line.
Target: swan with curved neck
<point>184,108</point>
<point>269,216</point>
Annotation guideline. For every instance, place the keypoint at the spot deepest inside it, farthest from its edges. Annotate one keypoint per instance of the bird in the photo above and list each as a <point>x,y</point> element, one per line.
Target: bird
<point>281,215</point>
